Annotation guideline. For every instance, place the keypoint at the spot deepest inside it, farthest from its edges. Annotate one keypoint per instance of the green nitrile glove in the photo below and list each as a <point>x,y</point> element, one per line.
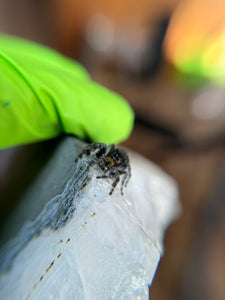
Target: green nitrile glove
<point>43,94</point>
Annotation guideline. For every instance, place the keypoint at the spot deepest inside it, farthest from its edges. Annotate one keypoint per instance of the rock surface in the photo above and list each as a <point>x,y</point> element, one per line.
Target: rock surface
<point>84,243</point>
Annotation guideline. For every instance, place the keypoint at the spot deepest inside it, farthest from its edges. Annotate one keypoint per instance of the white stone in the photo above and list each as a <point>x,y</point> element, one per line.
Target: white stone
<point>105,247</point>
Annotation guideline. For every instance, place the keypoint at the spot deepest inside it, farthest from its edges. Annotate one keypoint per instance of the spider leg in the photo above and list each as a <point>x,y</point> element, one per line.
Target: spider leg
<point>101,151</point>
<point>114,184</point>
<point>98,148</point>
<point>119,172</point>
<point>103,176</point>
<point>125,179</point>
<point>128,176</point>
<point>123,182</point>
<point>111,174</point>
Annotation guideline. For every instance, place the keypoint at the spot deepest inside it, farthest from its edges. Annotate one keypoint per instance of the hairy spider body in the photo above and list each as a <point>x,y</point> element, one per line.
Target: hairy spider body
<point>113,161</point>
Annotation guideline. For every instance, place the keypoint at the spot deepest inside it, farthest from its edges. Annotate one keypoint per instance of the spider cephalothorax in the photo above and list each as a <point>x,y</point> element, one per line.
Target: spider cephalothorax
<point>113,161</point>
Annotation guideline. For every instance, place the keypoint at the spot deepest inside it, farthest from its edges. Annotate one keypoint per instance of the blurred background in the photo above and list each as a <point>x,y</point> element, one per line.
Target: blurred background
<point>167,58</point>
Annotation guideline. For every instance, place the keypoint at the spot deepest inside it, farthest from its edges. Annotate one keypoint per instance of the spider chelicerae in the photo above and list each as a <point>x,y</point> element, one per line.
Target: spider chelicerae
<point>113,161</point>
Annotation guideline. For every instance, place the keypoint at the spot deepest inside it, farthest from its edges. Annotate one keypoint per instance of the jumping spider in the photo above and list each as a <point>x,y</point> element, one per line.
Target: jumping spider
<point>114,163</point>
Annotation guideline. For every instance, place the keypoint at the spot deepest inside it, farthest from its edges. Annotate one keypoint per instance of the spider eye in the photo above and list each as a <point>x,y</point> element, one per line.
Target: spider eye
<point>111,163</point>
<point>110,160</point>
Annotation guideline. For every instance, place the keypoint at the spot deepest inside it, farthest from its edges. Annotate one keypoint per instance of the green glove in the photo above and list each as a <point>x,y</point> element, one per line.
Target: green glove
<point>43,94</point>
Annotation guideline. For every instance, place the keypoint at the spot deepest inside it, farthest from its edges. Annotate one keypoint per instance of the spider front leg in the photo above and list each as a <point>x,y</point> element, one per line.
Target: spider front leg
<point>114,184</point>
